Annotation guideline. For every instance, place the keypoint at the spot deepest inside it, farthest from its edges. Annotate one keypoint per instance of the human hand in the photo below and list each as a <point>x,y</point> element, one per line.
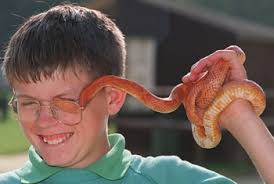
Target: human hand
<point>236,57</point>
<point>232,54</point>
<point>239,118</point>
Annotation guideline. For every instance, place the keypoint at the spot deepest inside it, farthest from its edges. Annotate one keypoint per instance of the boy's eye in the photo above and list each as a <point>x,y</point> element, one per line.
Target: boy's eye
<point>28,103</point>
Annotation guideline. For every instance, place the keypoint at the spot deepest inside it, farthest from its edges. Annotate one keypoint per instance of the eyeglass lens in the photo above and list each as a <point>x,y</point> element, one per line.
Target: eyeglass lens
<point>66,111</point>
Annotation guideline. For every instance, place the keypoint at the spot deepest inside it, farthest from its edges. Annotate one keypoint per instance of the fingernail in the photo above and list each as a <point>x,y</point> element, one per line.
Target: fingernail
<point>186,77</point>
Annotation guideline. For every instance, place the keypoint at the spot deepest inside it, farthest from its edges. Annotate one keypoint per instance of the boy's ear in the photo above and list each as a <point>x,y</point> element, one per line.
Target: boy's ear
<point>115,99</point>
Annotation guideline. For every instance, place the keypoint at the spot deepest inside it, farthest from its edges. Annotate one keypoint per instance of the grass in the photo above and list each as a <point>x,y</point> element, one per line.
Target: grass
<point>12,140</point>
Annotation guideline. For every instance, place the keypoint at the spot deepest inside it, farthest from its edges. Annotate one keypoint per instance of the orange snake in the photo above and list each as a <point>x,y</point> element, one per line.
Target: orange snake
<point>203,100</point>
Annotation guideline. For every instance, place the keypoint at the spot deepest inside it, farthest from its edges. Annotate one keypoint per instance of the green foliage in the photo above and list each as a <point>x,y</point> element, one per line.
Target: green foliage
<point>12,139</point>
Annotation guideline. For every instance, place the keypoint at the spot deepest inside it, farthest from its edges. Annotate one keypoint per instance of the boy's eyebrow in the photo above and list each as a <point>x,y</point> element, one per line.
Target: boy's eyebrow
<point>61,95</point>
<point>23,95</point>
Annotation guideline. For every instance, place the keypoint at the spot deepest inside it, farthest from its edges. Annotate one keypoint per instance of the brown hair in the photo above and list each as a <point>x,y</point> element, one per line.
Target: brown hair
<point>64,37</point>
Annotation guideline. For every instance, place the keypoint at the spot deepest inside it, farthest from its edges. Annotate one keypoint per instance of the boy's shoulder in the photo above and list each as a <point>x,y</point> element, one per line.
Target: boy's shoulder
<point>171,169</point>
<point>9,178</point>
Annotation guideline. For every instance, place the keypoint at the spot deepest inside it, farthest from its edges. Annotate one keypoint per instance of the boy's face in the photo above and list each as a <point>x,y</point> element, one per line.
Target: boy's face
<point>67,145</point>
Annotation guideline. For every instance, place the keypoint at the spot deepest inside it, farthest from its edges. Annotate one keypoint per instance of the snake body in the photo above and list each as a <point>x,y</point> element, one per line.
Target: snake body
<point>203,100</point>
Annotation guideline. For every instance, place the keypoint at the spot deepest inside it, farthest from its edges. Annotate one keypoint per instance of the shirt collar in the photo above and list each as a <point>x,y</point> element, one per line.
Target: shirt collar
<point>113,165</point>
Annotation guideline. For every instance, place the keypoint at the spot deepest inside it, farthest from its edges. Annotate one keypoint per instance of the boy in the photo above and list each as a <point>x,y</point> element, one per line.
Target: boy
<point>49,60</point>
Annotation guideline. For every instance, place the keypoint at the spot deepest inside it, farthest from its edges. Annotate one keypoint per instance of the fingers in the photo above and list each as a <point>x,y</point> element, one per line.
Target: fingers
<point>192,77</point>
<point>239,52</point>
<point>203,64</point>
<point>237,71</point>
<point>232,54</point>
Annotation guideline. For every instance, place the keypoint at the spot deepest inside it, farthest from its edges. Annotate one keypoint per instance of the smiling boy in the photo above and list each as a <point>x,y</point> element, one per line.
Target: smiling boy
<point>48,62</point>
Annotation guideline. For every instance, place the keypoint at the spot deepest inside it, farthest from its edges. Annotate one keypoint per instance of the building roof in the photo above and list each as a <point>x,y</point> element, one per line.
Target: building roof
<point>243,29</point>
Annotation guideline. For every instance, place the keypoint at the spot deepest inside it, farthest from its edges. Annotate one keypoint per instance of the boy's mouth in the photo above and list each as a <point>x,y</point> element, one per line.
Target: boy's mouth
<point>55,139</point>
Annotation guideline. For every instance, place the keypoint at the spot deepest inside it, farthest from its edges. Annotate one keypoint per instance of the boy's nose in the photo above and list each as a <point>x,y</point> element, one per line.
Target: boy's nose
<point>45,116</point>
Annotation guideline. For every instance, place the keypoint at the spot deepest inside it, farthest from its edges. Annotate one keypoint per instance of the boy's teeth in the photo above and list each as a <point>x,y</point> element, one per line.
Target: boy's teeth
<point>56,139</point>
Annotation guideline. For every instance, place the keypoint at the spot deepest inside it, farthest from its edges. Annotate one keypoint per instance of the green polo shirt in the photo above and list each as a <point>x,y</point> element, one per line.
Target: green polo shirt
<point>116,167</point>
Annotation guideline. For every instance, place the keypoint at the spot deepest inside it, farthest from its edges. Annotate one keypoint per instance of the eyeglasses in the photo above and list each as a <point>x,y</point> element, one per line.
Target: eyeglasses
<point>65,111</point>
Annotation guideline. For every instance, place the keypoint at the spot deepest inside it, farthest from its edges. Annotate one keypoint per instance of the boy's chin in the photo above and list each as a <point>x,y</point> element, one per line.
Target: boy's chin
<point>57,159</point>
<point>57,162</point>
